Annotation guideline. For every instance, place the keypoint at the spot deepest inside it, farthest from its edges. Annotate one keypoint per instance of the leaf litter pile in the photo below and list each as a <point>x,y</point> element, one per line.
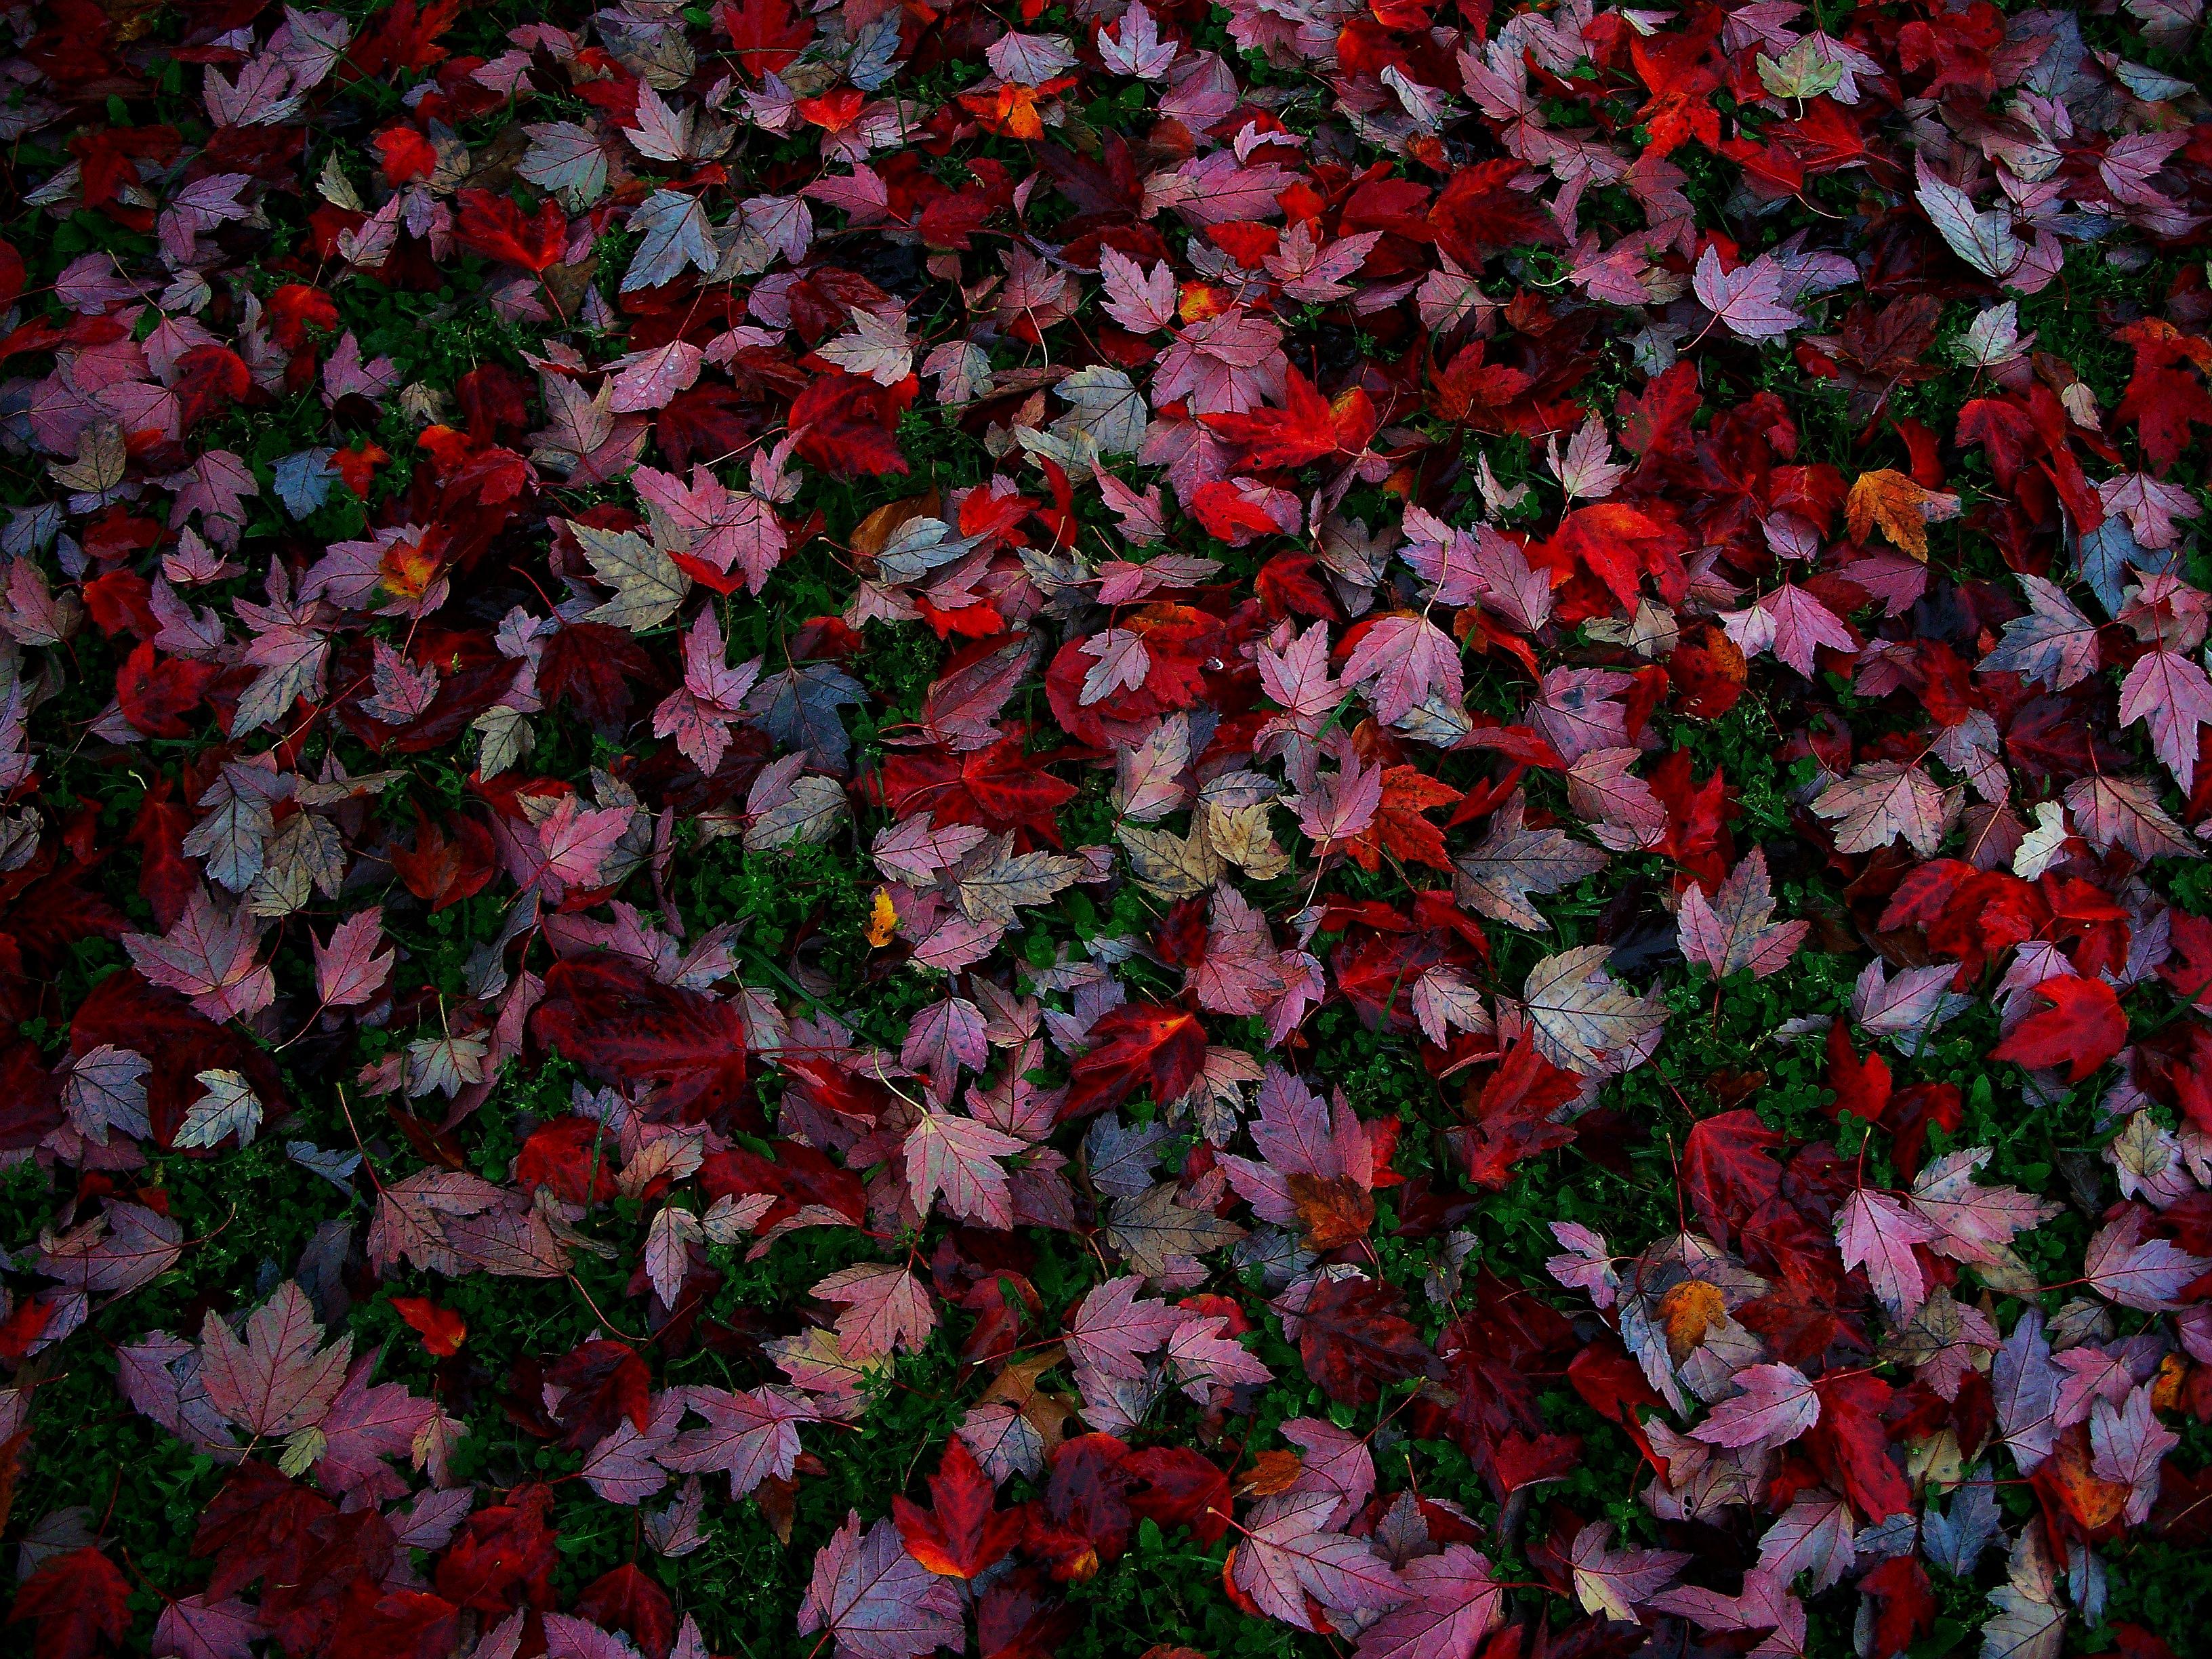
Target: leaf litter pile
<point>1275,829</point>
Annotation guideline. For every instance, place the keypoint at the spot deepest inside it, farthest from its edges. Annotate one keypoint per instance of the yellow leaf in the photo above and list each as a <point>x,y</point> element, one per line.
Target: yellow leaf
<point>881,920</point>
<point>1899,506</point>
<point>1687,1312</point>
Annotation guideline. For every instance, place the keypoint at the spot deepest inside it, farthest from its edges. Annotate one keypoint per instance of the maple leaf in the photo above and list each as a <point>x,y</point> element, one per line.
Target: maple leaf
<point>1763,1604</point>
<point>1876,1232</point>
<point>2029,1622</point>
<point>957,1156</point>
<point>1913,1003</point>
<point>1399,828</point>
<point>673,233</point>
<point>876,1600</point>
<point>847,424</point>
<point>494,227</point>
<point>1973,1223</point>
<point>200,1628</point>
<point>1299,1136</point>
<point>210,956</point>
<point>1107,413</point>
<point>766,36</point>
<point>1160,1237</point>
<point>2127,1446</point>
<point>79,1602</point>
<point>1588,468</point>
<point>1409,661</point>
<point>883,1307</point>
<point>2054,644</point>
<point>442,1330</point>
<point>1285,1555</point>
<point>1512,863</point>
<point>1452,1603</point>
<point>1580,1018</point>
<point>618,1022</point>
<point>1814,1536</point>
<point>1882,801</point>
<point>280,1378</point>
<point>1749,299</point>
<point>750,1435</point>
<point>1739,931</point>
<point>1114,1325</point>
<point>2136,1272</point>
<point>412,1215</point>
<point>2083,1027</point>
<point>1615,1583</point>
<point>1142,301</point>
<point>1778,1404</point>
<point>1794,625</point>
<point>1135,47</point>
<point>648,586</point>
<point>1898,506</point>
<point>1983,239</point>
<point>648,379</point>
<point>599,737</point>
<point>229,1106</point>
<point>1202,1359</point>
<point>962,1534</point>
<point>1355,1338</point>
<point>708,530</point>
<point>2172,696</point>
<point>1136,1046</point>
<point>348,971</point>
<point>1307,429</point>
<point>991,885</point>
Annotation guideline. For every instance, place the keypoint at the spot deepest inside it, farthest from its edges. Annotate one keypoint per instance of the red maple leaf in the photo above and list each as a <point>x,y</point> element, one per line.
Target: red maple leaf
<point>1225,510</point>
<point>1138,1045</point>
<point>503,1557</point>
<point>1000,787</point>
<point>2083,1027</point>
<point>1307,427</point>
<point>2164,399</point>
<point>1904,1602</point>
<point>258,1524</point>
<point>494,227</point>
<point>1399,828</point>
<point>627,1600</point>
<point>847,424</point>
<point>1850,1444</point>
<point>442,871</point>
<point>573,1156</point>
<point>155,692</point>
<point>442,1330</point>
<point>598,1385</point>
<point>295,309</point>
<point>407,38</point>
<point>79,1602</point>
<point>1511,1118</point>
<point>1481,213</point>
<point>1354,1338</point>
<point>961,1534</point>
<point>1728,1169</point>
<point>766,36</point>
<point>399,1624</point>
<point>166,879</point>
<point>1471,391</point>
<point>209,378</point>
<point>1084,1520</point>
<point>1177,1487</point>
<point>625,1027</point>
